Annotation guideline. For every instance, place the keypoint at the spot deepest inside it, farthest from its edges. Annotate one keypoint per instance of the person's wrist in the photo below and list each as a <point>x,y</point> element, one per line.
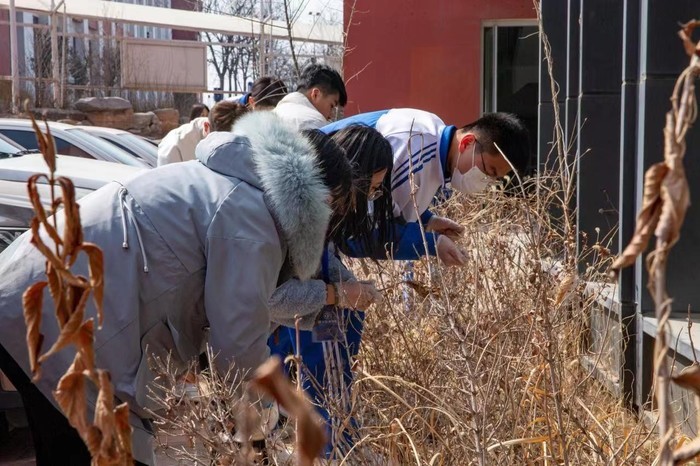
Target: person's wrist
<point>331,294</point>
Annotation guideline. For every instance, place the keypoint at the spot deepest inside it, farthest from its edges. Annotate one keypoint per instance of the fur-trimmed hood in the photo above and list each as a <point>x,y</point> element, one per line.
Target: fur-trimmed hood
<point>268,153</point>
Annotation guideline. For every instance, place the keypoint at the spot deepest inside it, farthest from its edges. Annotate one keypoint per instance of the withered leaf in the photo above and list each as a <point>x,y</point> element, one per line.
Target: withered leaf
<point>72,233</point>
<point>311,435</point>
<point>32,301</point>
<point>46,144</point>
<point>42,247</point>
<point>686,35</point>
<point>35,198</point>
<point>69,332</point>
<point>689,378</point>
<point>564,288</point>
<point>70,395</point>
<point>674,188</point>
<point>73,280</point>
<point>104,416</point>
<point>96,263</point>
<point>73,294</point>
<point>92,440</point>
<point>121,419</point>
<point>56,287</point>
<point>422,290</point>
<point>84,340</point>
<point>648,217</point>
<point>676,200</point>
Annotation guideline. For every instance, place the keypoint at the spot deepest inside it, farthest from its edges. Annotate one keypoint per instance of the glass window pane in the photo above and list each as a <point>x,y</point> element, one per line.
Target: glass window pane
<point>517,86</point>
<point>66,148</point>
<point>487,91</point>
<point>26,139</point>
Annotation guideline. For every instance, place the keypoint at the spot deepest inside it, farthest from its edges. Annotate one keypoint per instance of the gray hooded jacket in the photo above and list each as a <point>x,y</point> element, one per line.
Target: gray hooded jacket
<point>186,246</point>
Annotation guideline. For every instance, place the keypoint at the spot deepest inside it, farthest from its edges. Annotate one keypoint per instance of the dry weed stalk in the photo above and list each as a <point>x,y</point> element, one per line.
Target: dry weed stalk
<point>666,200</point>
<point>211,421</point>
<point>108,436</point>
<point>220,417</point>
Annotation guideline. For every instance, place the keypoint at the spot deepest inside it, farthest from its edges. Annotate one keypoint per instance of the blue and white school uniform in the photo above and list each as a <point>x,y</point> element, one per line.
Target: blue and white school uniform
<point>420,141</point>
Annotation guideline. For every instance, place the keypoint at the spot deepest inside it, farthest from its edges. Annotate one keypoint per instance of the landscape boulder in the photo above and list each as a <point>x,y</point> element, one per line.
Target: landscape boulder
<point>146,124</point>
<point>102,104</point>
<point>111,112</point>
<point>169,119</point>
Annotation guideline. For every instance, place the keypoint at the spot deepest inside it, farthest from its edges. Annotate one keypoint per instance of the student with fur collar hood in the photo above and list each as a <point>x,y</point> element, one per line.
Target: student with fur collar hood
<point>187,246</point>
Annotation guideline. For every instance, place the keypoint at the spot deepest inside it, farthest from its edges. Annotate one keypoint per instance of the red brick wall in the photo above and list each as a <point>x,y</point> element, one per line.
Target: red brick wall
<point>194,5</point>
<point>421,54</point>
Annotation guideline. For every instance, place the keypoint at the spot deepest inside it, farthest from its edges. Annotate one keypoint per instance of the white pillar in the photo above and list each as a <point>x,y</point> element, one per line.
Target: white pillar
<point>55,62</point>
<point>14,60</point>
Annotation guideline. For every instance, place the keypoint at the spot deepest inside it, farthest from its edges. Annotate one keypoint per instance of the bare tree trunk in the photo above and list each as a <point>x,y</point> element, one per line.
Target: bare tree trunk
<point>289,36</point>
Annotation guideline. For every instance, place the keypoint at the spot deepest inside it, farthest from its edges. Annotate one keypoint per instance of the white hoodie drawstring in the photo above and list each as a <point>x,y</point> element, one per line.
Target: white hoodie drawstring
<point>126,209</point>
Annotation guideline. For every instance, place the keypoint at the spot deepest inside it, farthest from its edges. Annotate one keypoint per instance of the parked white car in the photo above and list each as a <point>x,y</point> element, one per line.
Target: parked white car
<point>72,143</point>
<point>135,145</point>
<point>16,210</point>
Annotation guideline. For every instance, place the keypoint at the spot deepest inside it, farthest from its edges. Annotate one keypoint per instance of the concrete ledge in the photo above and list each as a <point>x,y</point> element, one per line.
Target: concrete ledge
<point>608,378</point>
<point>677,335</point>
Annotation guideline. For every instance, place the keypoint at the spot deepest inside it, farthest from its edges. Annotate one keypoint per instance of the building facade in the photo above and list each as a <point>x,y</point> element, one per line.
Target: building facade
<point>455,59</point>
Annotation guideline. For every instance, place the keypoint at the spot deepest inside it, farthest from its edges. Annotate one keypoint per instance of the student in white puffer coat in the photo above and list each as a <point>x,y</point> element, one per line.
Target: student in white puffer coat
<point>319,92</point>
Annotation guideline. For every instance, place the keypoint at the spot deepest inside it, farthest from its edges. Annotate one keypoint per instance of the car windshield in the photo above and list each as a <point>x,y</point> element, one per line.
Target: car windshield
<point>119,154</point>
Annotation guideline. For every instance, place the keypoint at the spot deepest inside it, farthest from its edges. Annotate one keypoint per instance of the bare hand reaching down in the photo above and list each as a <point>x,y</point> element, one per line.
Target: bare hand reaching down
<point>449,253</point>
<point>444,226</point>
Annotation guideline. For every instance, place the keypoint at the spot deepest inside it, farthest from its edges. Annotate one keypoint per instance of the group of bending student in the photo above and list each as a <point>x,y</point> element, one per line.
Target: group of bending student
<point>242,242</point>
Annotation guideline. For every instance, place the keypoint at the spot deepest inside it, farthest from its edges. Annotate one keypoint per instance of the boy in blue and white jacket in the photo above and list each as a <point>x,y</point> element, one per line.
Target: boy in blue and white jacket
<point>428,154</point>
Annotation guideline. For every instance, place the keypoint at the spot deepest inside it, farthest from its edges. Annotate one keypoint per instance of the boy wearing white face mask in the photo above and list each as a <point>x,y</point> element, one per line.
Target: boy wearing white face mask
<point>436,154</point>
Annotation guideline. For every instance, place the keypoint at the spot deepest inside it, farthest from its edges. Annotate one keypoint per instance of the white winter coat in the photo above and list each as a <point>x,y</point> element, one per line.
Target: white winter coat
<point>299,111</point>
<point>179,144</point>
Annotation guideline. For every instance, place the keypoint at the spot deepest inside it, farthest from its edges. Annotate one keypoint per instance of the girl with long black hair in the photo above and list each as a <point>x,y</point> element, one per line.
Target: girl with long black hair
<point>330,308</point>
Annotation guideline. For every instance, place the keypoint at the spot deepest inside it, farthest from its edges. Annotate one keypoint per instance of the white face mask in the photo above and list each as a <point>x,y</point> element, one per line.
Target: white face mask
<point>474,181</point>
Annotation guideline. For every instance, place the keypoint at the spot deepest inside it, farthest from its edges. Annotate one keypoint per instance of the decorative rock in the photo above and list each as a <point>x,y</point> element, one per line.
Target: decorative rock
<point>120,119</point>
<point>103,104</point>
<point>143,120</point>
<point>146,124</point>
<point>169,118</point>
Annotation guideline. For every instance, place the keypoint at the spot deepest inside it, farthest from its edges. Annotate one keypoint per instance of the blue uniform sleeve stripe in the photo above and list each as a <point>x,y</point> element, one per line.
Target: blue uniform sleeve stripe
<point>414,156</point>
<point>425,158</point>
<point>405,178</point>
<point>368,119</point>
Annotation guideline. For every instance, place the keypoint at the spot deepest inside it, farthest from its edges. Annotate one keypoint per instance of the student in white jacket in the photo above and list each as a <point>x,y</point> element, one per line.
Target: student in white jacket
<point>179,144</point>
<point>319,92</point>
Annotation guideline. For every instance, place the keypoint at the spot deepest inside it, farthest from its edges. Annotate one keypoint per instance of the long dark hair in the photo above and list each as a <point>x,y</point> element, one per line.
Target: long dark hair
<point>368,153</point>
<point>337,174</point>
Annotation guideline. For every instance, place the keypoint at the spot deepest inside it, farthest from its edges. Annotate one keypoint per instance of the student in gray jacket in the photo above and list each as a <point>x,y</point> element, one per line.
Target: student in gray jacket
<point>187,246</point>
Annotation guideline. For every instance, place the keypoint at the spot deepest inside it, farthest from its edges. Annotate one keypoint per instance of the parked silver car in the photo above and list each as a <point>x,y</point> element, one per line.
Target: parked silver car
<point>135,145</point>
<point>72,143</point>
